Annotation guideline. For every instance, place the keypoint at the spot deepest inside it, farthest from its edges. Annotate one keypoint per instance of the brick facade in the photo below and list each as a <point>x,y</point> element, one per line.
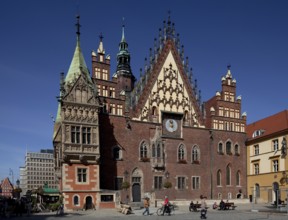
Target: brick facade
<point>156,136</point>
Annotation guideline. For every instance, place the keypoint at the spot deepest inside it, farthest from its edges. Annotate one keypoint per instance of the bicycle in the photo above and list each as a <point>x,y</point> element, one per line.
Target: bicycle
<point>161,209</point>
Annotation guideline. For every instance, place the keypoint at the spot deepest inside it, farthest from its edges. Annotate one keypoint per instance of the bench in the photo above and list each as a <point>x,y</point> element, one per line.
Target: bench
<point>125,209</point>
<point>196,207</point>
<point>228,205</point>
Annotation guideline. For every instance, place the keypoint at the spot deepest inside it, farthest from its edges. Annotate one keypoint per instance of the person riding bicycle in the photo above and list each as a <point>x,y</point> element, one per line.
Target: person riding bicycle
<point>166,206</point>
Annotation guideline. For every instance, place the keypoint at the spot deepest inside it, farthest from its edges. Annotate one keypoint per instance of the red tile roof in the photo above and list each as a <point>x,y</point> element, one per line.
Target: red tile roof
<point>272,124</point>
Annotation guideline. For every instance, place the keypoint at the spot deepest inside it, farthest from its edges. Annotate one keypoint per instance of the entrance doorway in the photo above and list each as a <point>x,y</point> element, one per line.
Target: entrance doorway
<point>136,192</point>
<point>88,203</point>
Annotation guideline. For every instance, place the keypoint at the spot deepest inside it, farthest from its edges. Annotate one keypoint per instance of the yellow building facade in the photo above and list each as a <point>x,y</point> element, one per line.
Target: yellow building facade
<point>267,167</point>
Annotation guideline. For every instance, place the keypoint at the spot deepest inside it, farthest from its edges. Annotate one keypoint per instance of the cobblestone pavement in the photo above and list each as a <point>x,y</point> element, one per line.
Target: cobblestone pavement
<point>242,212</point>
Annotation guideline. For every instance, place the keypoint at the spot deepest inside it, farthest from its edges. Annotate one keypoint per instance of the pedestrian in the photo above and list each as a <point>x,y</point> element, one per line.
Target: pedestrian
<point>28,208</point>
<point>166,206</point>
<point>203,207</point>
<point>222,205</point>
<point>146,206</point>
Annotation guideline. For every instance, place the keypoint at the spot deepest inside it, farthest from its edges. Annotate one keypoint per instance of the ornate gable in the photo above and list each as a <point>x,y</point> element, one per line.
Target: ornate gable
<point>168,90</point>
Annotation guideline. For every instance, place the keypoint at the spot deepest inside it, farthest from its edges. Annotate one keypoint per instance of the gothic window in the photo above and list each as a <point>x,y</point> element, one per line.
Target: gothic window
<point>228,148</point>
<point>82,175</point>
<point>195,154</point>
<point>154,111</point>
<point>156,150</point>
<point>220,148</point>
<point>181,153</point>
<point>143,150</point>
<point>238,178</point>
<point>219,176</point>
<point>237,149</point>
<point>117,153</point>
<point>158,182</point>
<point>76,200</point>
<point>228,175</point>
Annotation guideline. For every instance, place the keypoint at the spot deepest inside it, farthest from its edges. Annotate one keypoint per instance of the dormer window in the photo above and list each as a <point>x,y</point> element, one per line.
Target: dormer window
<point>258,133</point>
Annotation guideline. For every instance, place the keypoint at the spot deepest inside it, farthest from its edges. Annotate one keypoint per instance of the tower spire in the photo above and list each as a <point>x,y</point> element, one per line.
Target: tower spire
<point>78,64</point>
<point>123,30</point>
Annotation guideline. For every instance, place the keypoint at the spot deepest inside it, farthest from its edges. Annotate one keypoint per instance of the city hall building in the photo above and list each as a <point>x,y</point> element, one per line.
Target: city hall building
<point>118,138</point>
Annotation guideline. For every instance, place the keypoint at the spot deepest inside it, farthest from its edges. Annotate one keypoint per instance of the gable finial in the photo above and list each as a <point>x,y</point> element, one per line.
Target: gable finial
<point>101,37</point>
<point>169,16</point>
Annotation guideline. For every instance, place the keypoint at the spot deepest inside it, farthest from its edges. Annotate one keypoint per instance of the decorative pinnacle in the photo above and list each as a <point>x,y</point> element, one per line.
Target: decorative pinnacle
<point>78,25</point>
<point>101,36</point>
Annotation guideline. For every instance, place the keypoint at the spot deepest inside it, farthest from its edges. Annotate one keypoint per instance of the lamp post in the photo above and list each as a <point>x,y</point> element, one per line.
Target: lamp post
<point>167,174</point>
<point>18,188</point>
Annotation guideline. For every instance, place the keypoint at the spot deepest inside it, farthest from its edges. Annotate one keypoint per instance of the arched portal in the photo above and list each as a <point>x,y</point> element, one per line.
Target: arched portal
<point>88,203</point>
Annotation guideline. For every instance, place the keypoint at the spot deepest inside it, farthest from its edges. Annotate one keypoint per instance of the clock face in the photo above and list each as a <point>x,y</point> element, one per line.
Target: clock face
<point>171,125</point>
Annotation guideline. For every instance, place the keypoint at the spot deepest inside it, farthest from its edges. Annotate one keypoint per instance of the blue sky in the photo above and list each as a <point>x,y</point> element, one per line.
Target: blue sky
<point>38,41</point>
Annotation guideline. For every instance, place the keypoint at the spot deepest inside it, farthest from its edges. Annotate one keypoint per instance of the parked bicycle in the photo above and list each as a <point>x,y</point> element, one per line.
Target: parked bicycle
<point>171,210</point>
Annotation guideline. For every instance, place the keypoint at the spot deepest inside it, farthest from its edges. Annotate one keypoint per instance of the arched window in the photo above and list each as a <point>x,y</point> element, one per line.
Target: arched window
<point>156,150</point>
<point>195,154</point>
<point>76,200</point>
<point>238,178</point>
<point>237,149</point>
<point>219,176</point>
<point>153,150</point>
<point>228,147</point>
<point>181,153</point>
<point>228,175</point>
<point>117,153</point>
<point>220,148</point>
<point>143,150</point>
<point>185,118</point>
<point>154,111</point>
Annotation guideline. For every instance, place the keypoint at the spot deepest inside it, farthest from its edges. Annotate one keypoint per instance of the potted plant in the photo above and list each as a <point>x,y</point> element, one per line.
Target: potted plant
<point>125,185</point>
<point>182,161</point>
<point>167,185</point>
<point>145,159</point>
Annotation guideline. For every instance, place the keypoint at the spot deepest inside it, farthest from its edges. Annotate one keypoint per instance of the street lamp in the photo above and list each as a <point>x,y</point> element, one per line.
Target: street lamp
<point>18,188</point>
<point>126,174</point>
<point>167,174</point>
